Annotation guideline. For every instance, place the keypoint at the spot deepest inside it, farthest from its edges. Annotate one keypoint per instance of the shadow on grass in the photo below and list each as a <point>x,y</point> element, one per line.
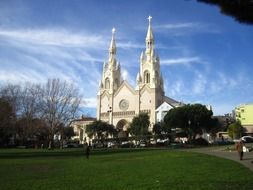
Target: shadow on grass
<point>75,152</point>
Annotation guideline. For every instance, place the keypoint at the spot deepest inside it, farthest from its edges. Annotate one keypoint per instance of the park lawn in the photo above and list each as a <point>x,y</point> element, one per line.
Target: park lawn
<point>119,169</point>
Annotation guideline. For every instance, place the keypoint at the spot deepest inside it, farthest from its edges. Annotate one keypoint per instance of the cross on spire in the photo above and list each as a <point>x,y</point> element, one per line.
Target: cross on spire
<point>113,31</point>
<point>149,19</point>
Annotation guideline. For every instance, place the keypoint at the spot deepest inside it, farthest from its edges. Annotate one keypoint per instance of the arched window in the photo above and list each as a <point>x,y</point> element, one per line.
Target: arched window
<point>107,83</point>
<point>146,77</point>
<point>116,84</point>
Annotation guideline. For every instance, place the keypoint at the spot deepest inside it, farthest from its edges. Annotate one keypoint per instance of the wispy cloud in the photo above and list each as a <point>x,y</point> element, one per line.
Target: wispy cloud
<point>55,53</point>
<point>181,61</point>
<point>89,102</point>
<point>199,85</point>
<point>177,26</point>
<point>186,28</point>
<point>55,37</point>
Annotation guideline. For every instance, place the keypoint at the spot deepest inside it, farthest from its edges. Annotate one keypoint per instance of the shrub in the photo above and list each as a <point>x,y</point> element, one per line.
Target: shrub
<point>200,142</point>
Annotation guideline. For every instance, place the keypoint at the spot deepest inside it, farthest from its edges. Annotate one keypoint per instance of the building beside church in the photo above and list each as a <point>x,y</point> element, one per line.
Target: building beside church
<point>244,113</point>
<point>79,127</point>
<point>117,101</point>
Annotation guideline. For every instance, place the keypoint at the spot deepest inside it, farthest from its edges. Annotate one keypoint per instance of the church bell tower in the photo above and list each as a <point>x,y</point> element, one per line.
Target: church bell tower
<point>150,64</point>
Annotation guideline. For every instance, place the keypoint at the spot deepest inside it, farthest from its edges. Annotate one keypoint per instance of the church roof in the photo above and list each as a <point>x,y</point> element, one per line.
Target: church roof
<point>164,106</point>
<point>173,102</point>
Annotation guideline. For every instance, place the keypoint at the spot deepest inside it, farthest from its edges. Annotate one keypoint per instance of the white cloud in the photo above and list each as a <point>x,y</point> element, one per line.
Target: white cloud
<point>89,103</point>
<point>199,84</point>
<point>181,61</point>
<point>178,25</point>
<point>55,37</point>
<point>187,28</point>
<point>176,88</point>
<point>125,74</point>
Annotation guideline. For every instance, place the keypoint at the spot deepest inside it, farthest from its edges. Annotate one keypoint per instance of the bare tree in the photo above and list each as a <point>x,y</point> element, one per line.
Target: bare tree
<point>61,103</point>
<point>31,100</point>
<point>11,93</point>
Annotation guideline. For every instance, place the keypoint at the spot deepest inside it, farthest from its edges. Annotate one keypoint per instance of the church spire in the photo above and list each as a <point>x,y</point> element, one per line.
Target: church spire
<point>150,32</point>
<point>149,38</point>
<point>112,48</point>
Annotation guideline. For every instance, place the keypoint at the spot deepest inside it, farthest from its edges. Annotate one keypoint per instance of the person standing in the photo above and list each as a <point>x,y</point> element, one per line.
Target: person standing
<point>239,148</point>
<point>87,151</point>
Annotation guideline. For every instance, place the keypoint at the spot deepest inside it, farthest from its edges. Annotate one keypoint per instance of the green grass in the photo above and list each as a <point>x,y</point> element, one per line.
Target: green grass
<point>119,169</point>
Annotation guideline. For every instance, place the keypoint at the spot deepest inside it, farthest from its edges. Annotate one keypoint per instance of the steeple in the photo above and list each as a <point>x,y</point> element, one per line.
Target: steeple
<point>149,38</point>
<point>150,32</point>
<point>111,69</point>
<point>112,48</point>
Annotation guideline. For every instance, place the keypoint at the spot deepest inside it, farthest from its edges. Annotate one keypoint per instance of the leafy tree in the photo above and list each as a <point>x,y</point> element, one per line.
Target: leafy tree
<point>139,125</point>
<point>241,10</point>
<point>160,130</point>
<point>193,119</point>
<point>100,130</point>
<point>7,121</point>
<point>235,130</point>
<point>157,129</point>
<point>68,132</point>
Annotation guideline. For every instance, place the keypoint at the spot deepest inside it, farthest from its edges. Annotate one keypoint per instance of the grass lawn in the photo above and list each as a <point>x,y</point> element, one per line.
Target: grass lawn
<point>119,169</point>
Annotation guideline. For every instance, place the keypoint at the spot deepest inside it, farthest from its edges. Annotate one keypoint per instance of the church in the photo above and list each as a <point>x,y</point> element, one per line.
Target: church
<point>117,101</point>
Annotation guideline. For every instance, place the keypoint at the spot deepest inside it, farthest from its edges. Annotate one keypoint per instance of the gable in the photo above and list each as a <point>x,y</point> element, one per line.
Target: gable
<point>124,86</point>
<point>164,107</point>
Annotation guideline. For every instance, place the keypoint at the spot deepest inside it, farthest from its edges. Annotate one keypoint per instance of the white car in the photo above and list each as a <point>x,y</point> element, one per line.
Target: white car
<point>247,139</point>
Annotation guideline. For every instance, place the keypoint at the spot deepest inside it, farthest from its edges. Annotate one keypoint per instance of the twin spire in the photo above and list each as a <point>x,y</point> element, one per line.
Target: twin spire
<point>149,40</point>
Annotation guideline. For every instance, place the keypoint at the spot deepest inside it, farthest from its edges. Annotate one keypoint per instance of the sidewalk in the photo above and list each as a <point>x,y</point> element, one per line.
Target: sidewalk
<point>220,151</point>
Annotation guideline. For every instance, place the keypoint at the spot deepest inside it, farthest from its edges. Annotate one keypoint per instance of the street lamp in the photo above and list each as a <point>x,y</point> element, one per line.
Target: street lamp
<point>110,115</point>
<point>189,122</point>
<point>190,132</point>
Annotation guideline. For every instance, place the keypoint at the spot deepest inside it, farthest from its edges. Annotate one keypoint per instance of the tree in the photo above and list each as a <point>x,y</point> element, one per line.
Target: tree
<point>60,105</point>
<point>160,130</point>
<point>193,119</point>
<point>7,121</point>
<point>139,125</point>
<point>241,10</point>
<point>30,113</point>
<point>36,106</point>
<point>235,130</point>
<point>100,130</point>
<point>11,93</point>
<point>68,132</point>
<point>157,129</point>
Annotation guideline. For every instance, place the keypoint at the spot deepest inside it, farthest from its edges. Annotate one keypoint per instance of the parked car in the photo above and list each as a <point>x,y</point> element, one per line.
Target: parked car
<point>71,145</point>
<point>143,144</point>
<point>247,139</point>
<point>126,144</point>
<point>98,145</point>
<point>162,142</point>
<point>112,145</point>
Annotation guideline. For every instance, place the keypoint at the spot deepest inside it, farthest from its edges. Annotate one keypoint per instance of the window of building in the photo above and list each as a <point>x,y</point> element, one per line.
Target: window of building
<point>107,83</point>
<point>146,77</point>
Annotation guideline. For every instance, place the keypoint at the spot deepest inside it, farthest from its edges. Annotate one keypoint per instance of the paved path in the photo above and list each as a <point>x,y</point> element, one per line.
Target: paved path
<point>222,151</point>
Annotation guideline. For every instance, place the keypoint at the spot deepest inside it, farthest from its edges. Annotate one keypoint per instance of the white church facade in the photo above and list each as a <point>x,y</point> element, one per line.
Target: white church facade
<point>117,101</point>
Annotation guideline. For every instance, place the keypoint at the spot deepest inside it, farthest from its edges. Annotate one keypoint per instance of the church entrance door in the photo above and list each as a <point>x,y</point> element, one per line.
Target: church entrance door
<point>122,126</point>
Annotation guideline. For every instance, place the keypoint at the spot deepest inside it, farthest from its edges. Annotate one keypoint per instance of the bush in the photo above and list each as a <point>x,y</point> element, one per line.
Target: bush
<point>200,142</point>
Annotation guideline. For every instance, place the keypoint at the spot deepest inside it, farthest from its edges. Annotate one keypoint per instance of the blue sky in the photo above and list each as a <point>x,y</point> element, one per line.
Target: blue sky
<point>206,57</point>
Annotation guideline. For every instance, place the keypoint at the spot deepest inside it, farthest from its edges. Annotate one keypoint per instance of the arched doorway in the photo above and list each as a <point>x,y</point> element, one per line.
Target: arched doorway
<point>122,126</point>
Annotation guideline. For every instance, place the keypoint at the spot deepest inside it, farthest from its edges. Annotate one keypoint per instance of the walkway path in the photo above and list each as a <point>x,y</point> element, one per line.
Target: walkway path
<point>222,151</point>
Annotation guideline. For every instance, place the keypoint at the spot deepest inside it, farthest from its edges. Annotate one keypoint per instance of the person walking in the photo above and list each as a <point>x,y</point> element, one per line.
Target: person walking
<point>239,148</point>
<point>87,151</point>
